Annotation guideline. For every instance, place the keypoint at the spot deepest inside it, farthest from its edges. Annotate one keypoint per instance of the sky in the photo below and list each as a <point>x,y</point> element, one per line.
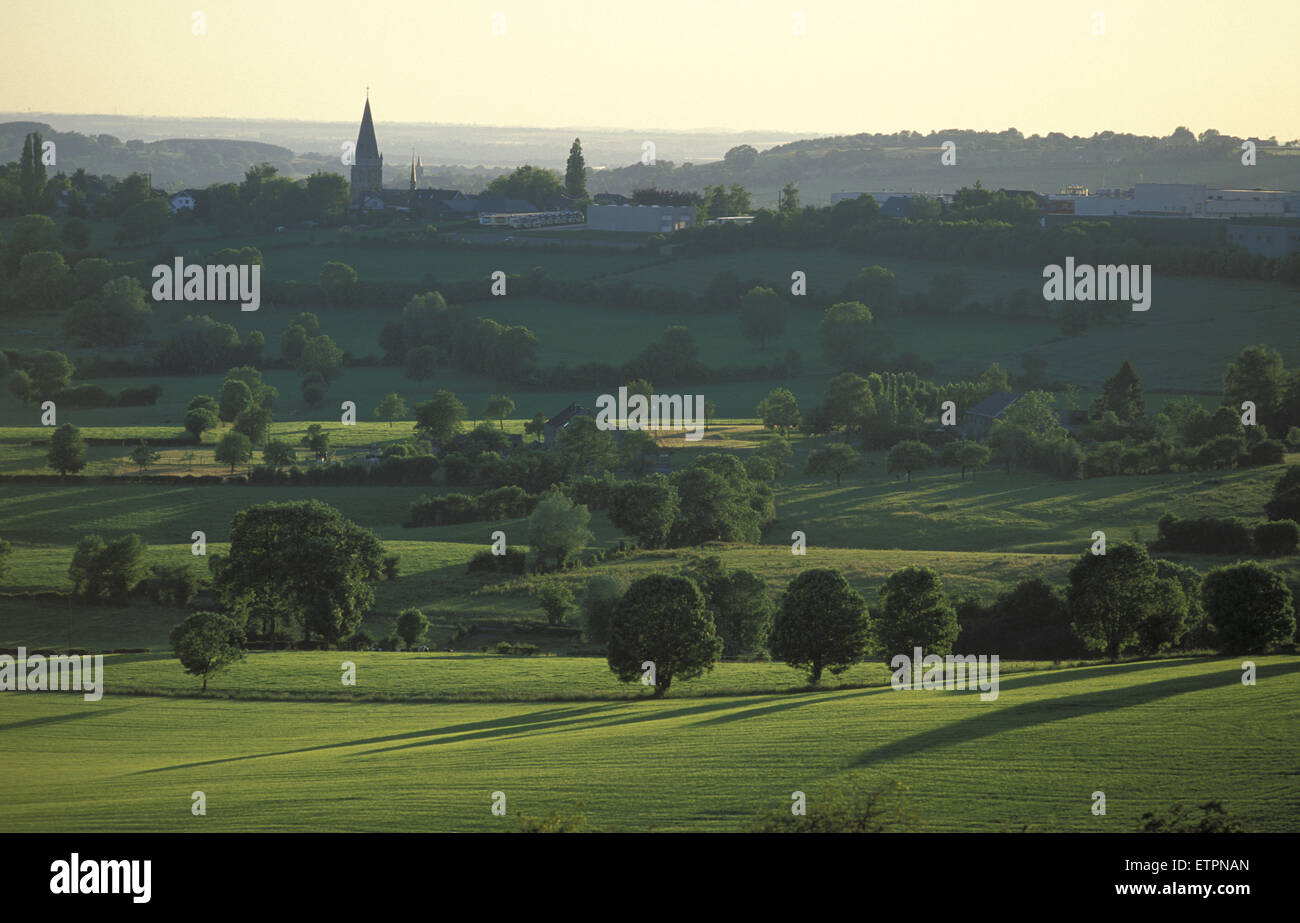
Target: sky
<point>815,66</point>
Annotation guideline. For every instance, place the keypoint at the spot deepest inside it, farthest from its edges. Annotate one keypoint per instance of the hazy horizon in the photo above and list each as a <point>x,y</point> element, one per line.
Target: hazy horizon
<point>580,64</point>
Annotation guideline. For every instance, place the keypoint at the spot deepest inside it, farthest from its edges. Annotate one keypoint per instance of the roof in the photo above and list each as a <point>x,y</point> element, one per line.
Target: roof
<point>499,204</point>
<point>994,406</point>
<point>562,418</point>
<point>367,146</point>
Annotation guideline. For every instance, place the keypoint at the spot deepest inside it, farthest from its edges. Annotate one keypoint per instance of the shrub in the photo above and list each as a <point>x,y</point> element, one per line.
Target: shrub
<point>1279,537</point>
<point>844,811</point>
<point>1203,536</point>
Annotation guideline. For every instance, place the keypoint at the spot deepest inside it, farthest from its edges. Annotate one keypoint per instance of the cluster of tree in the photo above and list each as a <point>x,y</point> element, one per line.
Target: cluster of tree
<point>509,502</point>
<point>201,344</point>
<point>265,199</point>
<point>857,226</point>
<point>112,571</point>
<point>314,354</point>
<point>431,334</point>
<point>1208,535</point>
<point>717,499</point>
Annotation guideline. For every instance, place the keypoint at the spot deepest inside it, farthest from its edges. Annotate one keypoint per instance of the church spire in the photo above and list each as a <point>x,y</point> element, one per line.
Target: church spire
<point>367,146</point>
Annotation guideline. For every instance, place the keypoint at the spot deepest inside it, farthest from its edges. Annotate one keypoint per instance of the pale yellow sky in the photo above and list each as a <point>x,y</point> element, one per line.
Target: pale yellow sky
<point>861,65</point>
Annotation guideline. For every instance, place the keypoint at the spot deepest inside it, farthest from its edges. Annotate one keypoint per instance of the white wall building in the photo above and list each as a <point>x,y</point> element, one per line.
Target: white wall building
<point>647,219</point>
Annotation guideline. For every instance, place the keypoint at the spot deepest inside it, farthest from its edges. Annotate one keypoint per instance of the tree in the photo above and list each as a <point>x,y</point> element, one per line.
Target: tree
<point>412,626</point>
<point>662,621</point>
<point>1166,620</point>
<point>338,283</point>
<point>972,455</point>
<point>46,373</point>
<point>556,600</point>
<point>254,422</point>
<point>301,562</point>
<point>838,459</point>
<point>42,280</point>
<point>536,426</point>
<point>915,612</point>
<point>439,419</point>
<point>742,157</point>
<point>575,172</point>
<point>740,605</point>
<point>849,339</point>
<point>67,450</point>
<point>876,287</point>
<point>1257,375</point>
<point>1111,595</point>
<point>317,442</point>
<point>31,171</point>
<point>278,454</point>
<point>557,528</point>
<point>532,184</point>
<point>588,445</point>
<point>313,388</point>
<point>645,509</point>
<point>598,602</point>
<point>142,456</point>
<point>235,398</point>
<point>199,420</point>
<point>391,408</point>
<point>719,503</point>
<point>908,456</point>
<point>636,445</point>
<point>762,315</point>
<point>1121,394</point>
<point>322,356</point>
<point>788,204</point>
<point>115,316</point>
<point>822,624</point>
<point>106,571</point>
<point>206,643</point>
<point>848,403</point>
<point>1250,607</point>
<point>777,451</point>
<point>499,406</point>
<point>420,363</point>
<point>235,448</point>
<point>779,410</point>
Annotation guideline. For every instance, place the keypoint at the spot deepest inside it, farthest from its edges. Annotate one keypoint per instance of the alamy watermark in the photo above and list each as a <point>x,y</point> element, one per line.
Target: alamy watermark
<point>1098,283</point>
<point>652,412</point>
<point>53,673</point>
<point>957,671</point>
<point>235,282</point>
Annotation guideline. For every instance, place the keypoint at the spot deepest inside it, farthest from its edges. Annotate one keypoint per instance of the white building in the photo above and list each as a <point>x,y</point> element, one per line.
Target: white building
<point>1169,200</point>
<point>647,219</point>
<point>1248,203</point>
<point>181,200</point>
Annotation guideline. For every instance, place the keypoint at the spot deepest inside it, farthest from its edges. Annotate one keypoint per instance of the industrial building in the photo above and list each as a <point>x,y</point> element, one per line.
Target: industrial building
<point>647,219</point>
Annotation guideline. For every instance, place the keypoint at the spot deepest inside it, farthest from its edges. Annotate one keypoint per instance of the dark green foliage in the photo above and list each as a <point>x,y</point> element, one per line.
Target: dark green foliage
<point>822,624</point>
<point>914,612</point>
<point>662,620</point>
<point>206,643</point>
<point>1250,607</point>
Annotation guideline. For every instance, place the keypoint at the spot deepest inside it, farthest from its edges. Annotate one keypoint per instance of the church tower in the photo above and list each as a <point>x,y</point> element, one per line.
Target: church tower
<point>368,163</point>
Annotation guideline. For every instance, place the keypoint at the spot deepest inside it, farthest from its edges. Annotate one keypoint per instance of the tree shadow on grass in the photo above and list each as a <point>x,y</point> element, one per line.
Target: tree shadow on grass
<point>70,716</point>
<point>495,727</point>
<point>1046,711</point>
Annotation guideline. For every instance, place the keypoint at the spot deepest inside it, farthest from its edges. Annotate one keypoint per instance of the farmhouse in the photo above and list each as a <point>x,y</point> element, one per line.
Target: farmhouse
<point>559,423</point>
<point>977,421</point>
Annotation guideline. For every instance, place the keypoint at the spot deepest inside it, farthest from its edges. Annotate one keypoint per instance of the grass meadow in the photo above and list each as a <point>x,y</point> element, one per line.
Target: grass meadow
<point>1146,733</point>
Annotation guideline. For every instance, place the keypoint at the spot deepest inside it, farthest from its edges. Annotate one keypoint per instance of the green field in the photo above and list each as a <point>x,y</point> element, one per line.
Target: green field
<point>1147,734</point>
